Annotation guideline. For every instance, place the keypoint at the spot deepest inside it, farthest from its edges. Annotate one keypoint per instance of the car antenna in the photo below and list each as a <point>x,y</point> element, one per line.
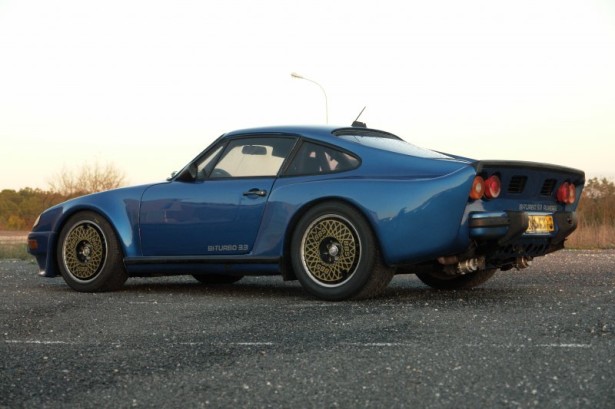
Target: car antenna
<point>358,124</point>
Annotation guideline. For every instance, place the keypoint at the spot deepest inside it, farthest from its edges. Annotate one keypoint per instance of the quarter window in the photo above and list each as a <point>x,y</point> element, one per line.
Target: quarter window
<point>314,159</point>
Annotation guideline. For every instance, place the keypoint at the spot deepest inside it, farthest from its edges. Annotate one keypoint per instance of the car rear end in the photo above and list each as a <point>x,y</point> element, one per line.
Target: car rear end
<point>517,211</point>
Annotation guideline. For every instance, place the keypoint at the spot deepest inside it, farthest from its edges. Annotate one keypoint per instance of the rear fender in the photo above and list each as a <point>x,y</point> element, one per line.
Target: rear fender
<point>420,219</point>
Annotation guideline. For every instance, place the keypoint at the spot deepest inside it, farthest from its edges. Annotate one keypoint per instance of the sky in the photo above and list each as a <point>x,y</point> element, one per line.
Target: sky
<point>147,85</point>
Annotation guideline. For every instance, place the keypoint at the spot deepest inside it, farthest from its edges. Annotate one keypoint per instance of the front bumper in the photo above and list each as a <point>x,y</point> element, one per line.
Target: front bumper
<point>40,245</point>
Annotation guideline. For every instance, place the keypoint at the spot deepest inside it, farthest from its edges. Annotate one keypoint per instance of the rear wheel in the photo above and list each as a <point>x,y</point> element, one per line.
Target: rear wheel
<point>334,254</point>
<point>89,255</point>
<point>466,281</point>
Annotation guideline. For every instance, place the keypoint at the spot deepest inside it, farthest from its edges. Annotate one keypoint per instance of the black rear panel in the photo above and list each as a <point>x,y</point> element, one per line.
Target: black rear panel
<point>530,180</point>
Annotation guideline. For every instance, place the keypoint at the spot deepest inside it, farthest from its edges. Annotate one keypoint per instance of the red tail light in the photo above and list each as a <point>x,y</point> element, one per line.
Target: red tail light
<point>493,187</point>
<point>572,193</point>
<point>478,188</point>
<point>567,193</point>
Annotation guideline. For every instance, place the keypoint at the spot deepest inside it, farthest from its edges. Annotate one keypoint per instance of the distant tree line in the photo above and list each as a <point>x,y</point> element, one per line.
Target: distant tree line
<point>597,206</point>
<point>19,209</point>
<point>90,178</point>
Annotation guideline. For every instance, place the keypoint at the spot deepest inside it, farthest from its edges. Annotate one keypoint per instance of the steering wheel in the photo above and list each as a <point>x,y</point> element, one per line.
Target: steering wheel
<point>220,173</point>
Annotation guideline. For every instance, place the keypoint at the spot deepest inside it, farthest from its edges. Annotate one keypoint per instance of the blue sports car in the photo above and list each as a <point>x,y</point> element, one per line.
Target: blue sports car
<point>339,209</point>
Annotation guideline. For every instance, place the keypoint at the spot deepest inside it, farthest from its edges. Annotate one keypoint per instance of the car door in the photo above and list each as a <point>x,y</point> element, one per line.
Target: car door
<point>219,211</point>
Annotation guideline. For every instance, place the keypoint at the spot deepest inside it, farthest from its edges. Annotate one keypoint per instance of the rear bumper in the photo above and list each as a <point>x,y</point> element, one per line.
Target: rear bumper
<point>507,227</point>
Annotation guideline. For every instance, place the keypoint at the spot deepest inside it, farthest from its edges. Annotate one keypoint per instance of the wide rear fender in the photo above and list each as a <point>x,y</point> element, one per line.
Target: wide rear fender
<point>412,218</point>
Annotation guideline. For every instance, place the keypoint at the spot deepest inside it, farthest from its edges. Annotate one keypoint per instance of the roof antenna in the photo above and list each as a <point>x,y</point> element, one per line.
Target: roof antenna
<point>356,123</point>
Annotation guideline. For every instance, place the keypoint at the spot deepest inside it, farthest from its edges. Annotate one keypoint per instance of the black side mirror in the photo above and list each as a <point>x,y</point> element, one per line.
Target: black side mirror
<point>173,174</point>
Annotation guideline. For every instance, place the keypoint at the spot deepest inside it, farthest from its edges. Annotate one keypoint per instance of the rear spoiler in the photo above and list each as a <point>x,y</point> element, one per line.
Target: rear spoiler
<point>576,174</point>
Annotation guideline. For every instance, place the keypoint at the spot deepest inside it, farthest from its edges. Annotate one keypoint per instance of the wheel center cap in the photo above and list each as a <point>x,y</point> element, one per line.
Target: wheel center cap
<point>334,250</point>
<point>85,251</point>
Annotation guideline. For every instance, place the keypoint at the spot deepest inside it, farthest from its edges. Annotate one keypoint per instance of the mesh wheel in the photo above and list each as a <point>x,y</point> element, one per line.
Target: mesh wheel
<point>88,253</point>
<point>330,250</point>
<point>84,251</point>
<point>335,256</point>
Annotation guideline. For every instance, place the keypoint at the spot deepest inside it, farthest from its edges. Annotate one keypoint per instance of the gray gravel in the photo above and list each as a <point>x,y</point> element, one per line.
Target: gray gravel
<point>542,337</point>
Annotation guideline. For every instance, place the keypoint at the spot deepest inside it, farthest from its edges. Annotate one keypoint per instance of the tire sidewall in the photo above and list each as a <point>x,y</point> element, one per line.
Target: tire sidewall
<point>112,273</point>
<point>365,264</point>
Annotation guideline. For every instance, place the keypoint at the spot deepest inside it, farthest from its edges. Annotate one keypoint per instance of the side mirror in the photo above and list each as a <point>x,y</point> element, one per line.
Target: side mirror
<point>173,174</point>
<point>188,174</point>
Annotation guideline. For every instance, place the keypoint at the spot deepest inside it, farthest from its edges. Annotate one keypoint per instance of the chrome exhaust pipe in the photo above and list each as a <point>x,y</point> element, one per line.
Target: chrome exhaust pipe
<point>471,265</point>
<point>522,262</point>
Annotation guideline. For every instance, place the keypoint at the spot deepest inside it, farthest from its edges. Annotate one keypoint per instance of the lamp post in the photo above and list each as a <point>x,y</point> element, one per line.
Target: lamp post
<point>301,77</point>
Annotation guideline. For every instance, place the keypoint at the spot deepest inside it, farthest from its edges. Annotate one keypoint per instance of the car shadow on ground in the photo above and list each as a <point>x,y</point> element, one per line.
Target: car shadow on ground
<point>405,289</point>
<point>241,289</point>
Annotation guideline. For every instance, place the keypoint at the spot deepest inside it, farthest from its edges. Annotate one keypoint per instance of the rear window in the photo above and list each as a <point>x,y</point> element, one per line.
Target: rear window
<point>388,142</point>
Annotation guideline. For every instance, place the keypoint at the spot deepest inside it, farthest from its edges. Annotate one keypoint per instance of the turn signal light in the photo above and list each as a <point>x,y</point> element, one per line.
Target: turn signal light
<point>478,188</point>
<point>567,193</point>
<point>33,244</point>
<point>493,187</point>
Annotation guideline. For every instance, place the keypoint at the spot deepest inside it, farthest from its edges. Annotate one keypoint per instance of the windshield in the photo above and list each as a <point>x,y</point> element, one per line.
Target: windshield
<point>393,145</point>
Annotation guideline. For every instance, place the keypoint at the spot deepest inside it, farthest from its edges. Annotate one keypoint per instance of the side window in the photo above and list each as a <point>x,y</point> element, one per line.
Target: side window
<point>249,157</point>
<point>313,159</point>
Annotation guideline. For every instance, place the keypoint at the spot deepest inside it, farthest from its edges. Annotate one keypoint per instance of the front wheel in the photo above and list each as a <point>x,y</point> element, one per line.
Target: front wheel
<point>89,255</point>
<point>463,282</point>
<point>334,254</point>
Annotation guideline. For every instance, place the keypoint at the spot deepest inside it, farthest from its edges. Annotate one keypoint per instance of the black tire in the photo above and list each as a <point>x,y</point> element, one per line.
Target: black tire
<point>213,279</point>
<point>464,282</point>
<point>334,254</point>
<point>88,253</point>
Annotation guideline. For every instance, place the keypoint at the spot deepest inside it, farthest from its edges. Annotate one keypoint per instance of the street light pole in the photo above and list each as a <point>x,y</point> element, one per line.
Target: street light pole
<point>301,77</point>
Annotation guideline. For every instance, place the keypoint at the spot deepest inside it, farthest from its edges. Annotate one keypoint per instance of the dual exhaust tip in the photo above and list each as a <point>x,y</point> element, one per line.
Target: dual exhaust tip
<point>453,265</point>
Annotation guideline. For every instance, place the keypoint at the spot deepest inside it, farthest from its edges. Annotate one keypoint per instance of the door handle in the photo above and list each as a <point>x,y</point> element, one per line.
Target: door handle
<point>255,192</point>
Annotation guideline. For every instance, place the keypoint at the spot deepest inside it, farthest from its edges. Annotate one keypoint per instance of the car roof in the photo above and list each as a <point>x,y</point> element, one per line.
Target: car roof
<point>287,129</point>
<point>324,133</point>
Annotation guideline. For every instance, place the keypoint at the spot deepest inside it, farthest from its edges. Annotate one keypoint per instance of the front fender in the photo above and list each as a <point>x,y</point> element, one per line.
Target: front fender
<point>120,207</point>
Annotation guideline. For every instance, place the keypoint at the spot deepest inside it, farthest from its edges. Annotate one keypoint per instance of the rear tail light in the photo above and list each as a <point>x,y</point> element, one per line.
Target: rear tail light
<point>478,188</point>
<point>572,193</point>
<point>493,187</point>
<point>488,189</point>
<point>567,193</point>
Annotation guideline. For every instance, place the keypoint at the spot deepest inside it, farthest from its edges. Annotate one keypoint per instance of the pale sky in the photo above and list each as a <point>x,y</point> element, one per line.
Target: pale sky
<point>147,85</point>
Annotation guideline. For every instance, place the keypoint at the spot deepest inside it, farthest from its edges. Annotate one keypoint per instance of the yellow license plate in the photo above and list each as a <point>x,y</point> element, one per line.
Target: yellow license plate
<point>540,224</point>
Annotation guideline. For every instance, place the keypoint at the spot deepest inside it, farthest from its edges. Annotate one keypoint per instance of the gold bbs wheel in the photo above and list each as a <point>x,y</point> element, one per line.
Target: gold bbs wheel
<point>84,251</point>
<point>334,254</point>
<point>89,254</point>
<point>330,250</point>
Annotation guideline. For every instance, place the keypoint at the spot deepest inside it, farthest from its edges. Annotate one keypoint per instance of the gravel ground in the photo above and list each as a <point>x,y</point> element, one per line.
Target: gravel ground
<point>543,337</point>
